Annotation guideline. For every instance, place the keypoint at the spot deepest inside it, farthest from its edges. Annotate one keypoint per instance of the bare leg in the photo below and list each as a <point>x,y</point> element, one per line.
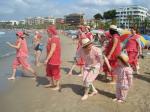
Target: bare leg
<point>32,71</point>
<point>94,90</point>
<point>13,75</point>
<point>37,59</point>
<point>51,82</point>
<point>73,66</point>
<point>81,71</point>
<point>123,95</point>
<point>57,85</point>
<point>85,96</point>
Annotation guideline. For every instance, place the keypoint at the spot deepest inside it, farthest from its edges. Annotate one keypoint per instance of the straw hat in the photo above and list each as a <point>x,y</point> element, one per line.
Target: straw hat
<point>88,27</point>
<point>113,27</point>
<point>85,42</point>
<point>124,58</point>
<point>20,33</point>
<point>52,30</point>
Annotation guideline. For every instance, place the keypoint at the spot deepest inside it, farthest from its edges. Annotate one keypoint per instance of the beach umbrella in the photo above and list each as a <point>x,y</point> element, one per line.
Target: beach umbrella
<point>123,38</point>
<point>146,37</point>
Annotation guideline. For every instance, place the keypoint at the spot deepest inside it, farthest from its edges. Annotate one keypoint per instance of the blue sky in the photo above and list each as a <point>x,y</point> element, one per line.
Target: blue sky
<point>20,9</point>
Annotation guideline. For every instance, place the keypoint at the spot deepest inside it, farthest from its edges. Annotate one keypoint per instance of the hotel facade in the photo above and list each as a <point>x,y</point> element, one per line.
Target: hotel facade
<point>126,16</point>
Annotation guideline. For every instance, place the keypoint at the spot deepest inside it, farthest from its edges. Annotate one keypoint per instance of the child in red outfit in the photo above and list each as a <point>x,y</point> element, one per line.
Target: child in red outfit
<point>21,55</point>
<point>53,59</point>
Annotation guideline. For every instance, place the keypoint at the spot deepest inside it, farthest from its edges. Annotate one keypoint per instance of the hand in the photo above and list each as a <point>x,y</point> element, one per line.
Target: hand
<point>45,62</point>
<point>8,43</point>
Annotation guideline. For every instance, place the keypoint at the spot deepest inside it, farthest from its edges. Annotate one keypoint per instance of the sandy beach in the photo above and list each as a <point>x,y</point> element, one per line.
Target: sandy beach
<point>26,95</point>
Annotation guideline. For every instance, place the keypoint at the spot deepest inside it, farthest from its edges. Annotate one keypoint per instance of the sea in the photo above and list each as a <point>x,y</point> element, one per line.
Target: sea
<point>7,54</point>
<point>10,36</point>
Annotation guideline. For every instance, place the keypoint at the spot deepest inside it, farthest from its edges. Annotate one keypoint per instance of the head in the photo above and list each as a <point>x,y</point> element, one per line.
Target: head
<point>113,29</point>
<point>81,28</point>
<point>51,30</point>
<point>133,30</point>
<point>86,44</point>
<point>123,59</point>
<point>87,28</point>
<point>20,34</point>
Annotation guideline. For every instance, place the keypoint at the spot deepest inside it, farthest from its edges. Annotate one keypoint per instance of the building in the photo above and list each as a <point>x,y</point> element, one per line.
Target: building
<point>39,20</point>
<point>22,22</point>
<point>60,20</point>
<point>14,22</point>
<point>49,20</point>
<point>126,16</point>
<point>34,20</point>
<point>74,19</point>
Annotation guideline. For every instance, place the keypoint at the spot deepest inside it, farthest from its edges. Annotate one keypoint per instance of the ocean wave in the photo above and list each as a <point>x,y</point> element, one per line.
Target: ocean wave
<point>2,33</point>
<point>7,54</point>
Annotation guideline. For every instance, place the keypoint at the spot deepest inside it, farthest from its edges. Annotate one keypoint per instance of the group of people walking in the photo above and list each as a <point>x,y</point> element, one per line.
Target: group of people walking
<point>116,59</point>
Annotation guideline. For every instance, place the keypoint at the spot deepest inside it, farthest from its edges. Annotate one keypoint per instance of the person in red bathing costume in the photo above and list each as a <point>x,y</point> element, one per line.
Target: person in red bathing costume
<point>53,59</point>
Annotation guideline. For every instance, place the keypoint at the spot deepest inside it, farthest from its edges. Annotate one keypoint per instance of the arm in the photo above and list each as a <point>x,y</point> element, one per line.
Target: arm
<point>139,47</point>
<point>53,47</point>
<point>107,62</point>
<point>14,46</point>
<point>115,41</point>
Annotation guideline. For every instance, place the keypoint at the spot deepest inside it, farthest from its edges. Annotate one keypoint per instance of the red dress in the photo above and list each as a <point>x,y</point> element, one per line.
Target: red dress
<point>53,65</point>
<point>117,51</point>
<point>132,50</point>
<point>80,61</point>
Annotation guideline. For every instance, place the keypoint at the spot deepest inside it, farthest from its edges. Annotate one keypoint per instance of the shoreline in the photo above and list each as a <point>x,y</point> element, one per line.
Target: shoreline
<point>25,95</point>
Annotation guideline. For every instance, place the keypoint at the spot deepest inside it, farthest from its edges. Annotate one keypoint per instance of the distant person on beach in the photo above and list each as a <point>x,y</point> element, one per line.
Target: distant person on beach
<point>53,59</point>
<point>134,49</point>
<point>88,33</point>
<point>38,47</point>
<point>21,55</point>
<point>112,50</point>
<point>93,59</point>
<point>79,62</point>
<point>124,78</point>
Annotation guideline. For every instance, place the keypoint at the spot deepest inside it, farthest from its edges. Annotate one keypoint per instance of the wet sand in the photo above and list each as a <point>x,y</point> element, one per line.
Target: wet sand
<point>26,95</point>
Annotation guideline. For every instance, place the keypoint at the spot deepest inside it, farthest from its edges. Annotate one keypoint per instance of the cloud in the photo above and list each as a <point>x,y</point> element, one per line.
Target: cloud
<point>105,2</point>
<point>21,9</point>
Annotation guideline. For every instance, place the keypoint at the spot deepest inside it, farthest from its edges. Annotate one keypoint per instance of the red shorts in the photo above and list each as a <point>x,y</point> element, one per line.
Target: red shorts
<point>133,58</point>
<point>53,71</point>
<point>20,61</point>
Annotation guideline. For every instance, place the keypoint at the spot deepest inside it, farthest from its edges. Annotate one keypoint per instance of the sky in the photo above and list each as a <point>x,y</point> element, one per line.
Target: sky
<point>20,9</point>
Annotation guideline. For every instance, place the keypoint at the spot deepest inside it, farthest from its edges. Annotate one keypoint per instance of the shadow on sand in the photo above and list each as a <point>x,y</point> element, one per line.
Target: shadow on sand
<point>143,77</point>
<point>41,81</point>
<point>78,89</point>
<point>105,93</point>
<point>66,70</point>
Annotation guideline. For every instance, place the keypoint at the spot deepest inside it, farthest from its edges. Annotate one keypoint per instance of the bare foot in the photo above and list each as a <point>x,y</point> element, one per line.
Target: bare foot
<point>56,88</point>
<point>115,99</point>
<point>112,82</point>
<point>120,101</point>
<point>80,75</point>
<point>93,93</point>
<point>84,97</point>
<point>70,73</point>
<point>48,85</point>
<point>11,78</point>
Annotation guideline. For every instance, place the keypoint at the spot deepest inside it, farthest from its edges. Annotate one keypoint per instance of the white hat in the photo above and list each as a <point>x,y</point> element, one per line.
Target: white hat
<point>113,27</point>
<point>85,42</point>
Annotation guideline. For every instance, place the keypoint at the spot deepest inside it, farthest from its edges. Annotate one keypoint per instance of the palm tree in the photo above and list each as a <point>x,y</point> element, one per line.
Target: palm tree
<point>97,18</point>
